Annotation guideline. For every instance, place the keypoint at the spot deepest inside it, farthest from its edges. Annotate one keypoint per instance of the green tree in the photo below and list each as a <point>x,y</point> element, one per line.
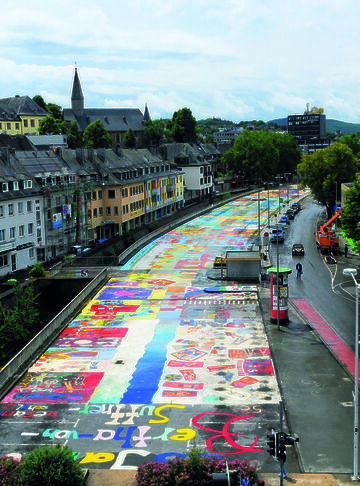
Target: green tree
<point>352,141</point>
<point>154,132</point>
<point>326,168</point>
<point>289,152</point>
<point>53,466</point>
<point>17,325</point>
<point>39,100</point>
<point>183,126</point>
<point>129,140</point>
<point>55,111</point>
<point>49,125</point>
<point>37,271</point>
<point>74,137</point>
<point>254,155</point>
<point>96,135</point>
<point>350,215</point>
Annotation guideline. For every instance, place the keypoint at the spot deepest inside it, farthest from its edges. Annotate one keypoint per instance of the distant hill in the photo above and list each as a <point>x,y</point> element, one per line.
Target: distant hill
<point>331,125</point>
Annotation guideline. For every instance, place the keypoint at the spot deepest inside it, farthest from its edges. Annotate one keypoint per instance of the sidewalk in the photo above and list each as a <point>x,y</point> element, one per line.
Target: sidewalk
<point>103,477</point>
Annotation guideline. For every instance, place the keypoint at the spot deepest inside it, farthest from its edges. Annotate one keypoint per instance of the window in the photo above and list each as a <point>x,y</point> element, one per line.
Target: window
<point>94,195</point>
<point>100,211</point>
<point>11,209</point>
<point>100,194</point>
<point>12,232</point>
<point>108,211</point>
<point>31,253</point>
<point>1,210</point>
<point>89,213</point>
<point>21,230</point>
<point>116,211</point>
<point>2,235</point>
<point>16,186</point>
<point>25,123</point>
<point>3,261</point>
<point>111,194</point>
<point>8,126</point>
<point>20,207</point>
<point>5,187</point>
<point>17,126</point>
<point>95,213</point>
<point>32,123</point>
<point>29,206</point>
<point>28,184</point>
<point>30,228</point>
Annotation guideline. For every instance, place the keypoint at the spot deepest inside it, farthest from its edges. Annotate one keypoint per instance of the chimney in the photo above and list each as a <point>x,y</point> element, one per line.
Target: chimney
<point>91,154</point>
<point>80,155</point>
<point>5,155</point>
<point>101,154</point>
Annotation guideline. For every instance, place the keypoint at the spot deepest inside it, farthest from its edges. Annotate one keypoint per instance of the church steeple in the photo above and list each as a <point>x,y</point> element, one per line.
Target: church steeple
<point>147,116</point>
<point>77,97</point>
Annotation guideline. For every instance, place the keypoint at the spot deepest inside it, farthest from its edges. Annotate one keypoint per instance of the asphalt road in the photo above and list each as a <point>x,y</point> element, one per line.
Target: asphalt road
<point>156,364</point>
<point>316,387</point>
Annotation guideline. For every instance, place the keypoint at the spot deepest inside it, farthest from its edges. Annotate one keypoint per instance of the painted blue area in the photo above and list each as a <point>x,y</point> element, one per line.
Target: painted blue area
<point>149,368</point>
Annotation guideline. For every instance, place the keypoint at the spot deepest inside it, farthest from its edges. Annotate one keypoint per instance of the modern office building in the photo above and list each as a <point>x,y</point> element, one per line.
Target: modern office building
<point>309,129</point>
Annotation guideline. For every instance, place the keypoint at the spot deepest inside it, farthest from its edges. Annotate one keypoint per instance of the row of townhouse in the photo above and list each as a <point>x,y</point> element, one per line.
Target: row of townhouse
<point>51,200</point>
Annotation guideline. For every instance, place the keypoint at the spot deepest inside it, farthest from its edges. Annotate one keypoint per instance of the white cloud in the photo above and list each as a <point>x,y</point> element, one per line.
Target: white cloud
<point>235,59</point>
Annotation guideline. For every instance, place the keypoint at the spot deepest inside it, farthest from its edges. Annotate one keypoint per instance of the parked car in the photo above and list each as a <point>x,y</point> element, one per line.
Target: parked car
<point>296,207</point>
<point>290,214</point>
<point>284,220</point>
<point>277,235</point>
<point>298,249</point>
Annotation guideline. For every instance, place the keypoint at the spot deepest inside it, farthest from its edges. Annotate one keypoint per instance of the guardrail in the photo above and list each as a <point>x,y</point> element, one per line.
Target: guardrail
<point>13,370</point>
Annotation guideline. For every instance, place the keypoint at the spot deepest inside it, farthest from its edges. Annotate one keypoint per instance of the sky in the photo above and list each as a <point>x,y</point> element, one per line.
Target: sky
<point>231,59</point>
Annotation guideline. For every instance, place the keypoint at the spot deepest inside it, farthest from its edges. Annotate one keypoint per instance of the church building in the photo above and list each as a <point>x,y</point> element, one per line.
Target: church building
<point>117,121</point>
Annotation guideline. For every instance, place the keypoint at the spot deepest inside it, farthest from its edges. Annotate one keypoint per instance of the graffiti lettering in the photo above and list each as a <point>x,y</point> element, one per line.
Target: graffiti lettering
<point>225,434</point>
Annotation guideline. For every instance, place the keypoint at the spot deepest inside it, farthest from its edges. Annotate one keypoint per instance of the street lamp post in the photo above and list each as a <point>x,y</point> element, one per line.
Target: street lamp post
<point>353,272</point>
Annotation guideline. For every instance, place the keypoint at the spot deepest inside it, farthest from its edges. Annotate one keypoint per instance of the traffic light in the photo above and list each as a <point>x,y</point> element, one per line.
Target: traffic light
<point>271,442</point>
<point>290,439</point>
<point>282,440</point>
<point>281,451</point>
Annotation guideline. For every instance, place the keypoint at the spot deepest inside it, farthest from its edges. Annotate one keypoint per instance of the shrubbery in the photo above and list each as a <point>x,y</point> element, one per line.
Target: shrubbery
<point>9,471</point>
<point>195,470</point>
<point>51,466</point>
<point>45,466</point>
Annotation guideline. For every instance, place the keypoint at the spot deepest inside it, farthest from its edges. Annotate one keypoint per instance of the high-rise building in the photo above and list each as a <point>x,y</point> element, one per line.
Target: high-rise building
<point>309,129</point>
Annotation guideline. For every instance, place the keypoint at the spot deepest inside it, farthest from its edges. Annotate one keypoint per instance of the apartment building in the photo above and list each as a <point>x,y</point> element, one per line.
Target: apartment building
<point>20,115</point>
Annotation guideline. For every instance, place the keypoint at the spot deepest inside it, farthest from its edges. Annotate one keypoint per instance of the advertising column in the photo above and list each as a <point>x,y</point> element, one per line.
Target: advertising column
<point>279,289</point>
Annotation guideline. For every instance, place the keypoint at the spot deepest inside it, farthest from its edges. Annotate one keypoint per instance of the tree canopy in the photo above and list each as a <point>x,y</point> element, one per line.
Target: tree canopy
<point>350,215</point>
<point>74,137</point>
<point>260,154</point>
<point>154,132</point>
<point>183,126</point>
<point>129,140</point>
<point>50,125</point>
<point>96,135</point>
<point>326,168</point>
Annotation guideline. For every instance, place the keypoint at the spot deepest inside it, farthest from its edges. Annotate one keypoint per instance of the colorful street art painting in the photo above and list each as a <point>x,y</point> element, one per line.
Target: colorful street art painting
<point>162,357</point>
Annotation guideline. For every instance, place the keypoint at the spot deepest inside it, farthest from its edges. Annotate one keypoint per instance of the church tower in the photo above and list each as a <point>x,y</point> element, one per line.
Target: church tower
<point>77,97</point>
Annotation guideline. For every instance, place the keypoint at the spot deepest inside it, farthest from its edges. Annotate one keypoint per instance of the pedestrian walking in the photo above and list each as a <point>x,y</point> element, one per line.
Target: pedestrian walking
<point>298,270</point>
<point>346,249</point>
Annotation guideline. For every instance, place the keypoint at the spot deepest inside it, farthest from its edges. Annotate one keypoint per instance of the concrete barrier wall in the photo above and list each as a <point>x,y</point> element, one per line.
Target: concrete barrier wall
<point>13,370</point>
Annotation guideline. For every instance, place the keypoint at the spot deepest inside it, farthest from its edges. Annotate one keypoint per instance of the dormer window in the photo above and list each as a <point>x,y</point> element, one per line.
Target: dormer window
<point>15,186</point>
<point>5,187</point>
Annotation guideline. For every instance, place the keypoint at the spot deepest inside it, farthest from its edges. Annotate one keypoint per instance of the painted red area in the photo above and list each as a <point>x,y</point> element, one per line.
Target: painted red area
<point>331,339</point>
<point>94,332</point>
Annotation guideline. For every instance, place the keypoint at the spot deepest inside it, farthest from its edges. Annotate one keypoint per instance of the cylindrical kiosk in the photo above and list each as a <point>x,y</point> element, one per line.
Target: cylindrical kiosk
<point>279,285</point>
